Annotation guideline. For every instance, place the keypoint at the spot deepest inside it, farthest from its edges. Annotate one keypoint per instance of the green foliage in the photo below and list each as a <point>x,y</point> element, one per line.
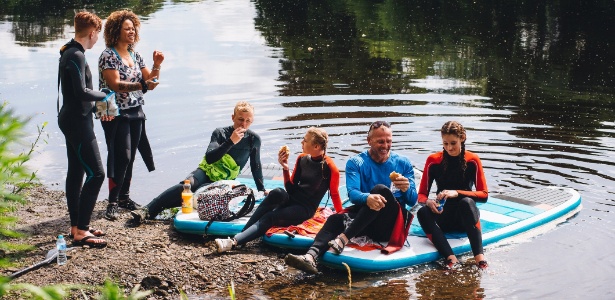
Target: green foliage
<point>109,291</point>
<point>14,177</point>
<point>112,291</point>
<point>29,291</point>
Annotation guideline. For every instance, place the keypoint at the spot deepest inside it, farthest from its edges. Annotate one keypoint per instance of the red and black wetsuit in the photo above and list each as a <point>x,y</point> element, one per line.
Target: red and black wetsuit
<point>461,213</point>
<point>311,179</point>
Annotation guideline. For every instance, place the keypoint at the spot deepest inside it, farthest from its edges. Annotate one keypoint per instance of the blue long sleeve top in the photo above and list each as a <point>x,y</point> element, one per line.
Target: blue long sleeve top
<point>363,173</point>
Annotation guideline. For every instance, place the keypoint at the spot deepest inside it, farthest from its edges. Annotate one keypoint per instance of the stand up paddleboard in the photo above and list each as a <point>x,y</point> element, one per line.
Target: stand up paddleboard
<point>502,216</point>
<point>273,178</point>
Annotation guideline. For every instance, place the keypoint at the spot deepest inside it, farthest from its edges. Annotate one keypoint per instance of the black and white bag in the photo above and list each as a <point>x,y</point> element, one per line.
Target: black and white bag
<point>213,201</point>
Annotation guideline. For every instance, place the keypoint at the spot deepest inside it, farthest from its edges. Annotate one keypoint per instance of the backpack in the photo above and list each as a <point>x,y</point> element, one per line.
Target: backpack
<point>213,201</point>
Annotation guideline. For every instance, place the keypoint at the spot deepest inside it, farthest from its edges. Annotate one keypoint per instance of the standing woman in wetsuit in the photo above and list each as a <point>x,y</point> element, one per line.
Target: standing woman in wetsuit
<point>75,121</point>
<point>455,171</point>
<point>313,175</point>
<point>123,70</point>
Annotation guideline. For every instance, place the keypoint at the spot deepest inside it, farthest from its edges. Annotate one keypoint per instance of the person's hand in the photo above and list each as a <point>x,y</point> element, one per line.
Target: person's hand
<point>447,194</point>
<point>433,206</point>
<point>158,57</point>
<point>238,135</point>
<point>152,83</point>
<point>106,118</point>
<point>265,192</point>
<point>375,201</point>
<point>283,159</point>
<point>402,183</point>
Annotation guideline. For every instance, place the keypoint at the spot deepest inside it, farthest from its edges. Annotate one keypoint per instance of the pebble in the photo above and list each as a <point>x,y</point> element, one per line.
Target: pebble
<point>153,255</point>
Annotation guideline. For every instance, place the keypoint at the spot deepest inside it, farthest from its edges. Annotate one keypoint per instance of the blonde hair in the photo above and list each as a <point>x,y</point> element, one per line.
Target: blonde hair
<point>243,106</point>
<point>319,137</point>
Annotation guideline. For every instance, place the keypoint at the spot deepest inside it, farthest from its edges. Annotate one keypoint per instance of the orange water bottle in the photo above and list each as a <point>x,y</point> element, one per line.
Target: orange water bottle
<point>186,198</point>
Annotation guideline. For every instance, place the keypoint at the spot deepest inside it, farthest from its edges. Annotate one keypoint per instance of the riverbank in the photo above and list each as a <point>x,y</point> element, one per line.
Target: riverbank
<point>153,255</point>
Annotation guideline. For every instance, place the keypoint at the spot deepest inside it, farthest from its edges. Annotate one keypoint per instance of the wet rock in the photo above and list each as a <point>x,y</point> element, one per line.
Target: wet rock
<point>151,282</point>
<point>162,293</point>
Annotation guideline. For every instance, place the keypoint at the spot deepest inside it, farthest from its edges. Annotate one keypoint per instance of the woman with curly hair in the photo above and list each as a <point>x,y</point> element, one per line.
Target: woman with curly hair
<point>123,70</point>
<point>455,171</point>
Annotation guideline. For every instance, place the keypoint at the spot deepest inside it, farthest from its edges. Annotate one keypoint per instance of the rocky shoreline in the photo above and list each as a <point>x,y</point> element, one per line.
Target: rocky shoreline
<point>153,255</point>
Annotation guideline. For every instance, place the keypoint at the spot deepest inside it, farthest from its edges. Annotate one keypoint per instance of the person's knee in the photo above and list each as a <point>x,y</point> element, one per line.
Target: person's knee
<point>467,204</point>
<point>334,220</point>
<point>277,192</point>
<point>468,208</point>
<point>379,189</point>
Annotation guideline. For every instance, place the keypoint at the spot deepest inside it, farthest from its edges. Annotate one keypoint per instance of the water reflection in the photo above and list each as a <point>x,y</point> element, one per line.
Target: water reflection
<point>460,284</point>
<point>327,287</point>
<point>34,23</point>
<point>531,81</point>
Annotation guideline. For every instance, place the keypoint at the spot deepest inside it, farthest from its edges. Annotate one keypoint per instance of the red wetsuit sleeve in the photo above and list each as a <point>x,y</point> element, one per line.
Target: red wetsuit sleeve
<point>426,180</point>
<point>334,184</point>
<point>481,194</point>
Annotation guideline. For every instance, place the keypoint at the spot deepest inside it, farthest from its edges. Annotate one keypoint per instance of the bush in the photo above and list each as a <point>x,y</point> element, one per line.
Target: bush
<point>14,177</point>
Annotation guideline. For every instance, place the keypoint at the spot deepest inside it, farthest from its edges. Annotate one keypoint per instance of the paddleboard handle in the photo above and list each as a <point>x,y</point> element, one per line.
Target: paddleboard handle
<point>290,234</point>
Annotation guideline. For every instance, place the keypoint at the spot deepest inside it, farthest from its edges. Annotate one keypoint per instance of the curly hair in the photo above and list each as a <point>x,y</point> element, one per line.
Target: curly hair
<point>113,27</point>
<point>456,129</point>
<point>85,20</point>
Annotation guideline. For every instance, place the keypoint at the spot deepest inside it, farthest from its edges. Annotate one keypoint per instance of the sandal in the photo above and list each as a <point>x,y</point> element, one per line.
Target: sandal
<point>86,241</point>
<point>338,244</point>
<point>97,232</point>
<point>92,230</point>
<point>301,262</point>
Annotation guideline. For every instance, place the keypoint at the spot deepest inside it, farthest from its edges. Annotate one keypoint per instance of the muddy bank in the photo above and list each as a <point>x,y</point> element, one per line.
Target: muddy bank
<point>153,255</point>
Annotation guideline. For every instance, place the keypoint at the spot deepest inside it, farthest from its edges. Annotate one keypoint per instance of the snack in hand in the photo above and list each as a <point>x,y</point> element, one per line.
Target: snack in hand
<point>285,149</point>
<point>394,175</point>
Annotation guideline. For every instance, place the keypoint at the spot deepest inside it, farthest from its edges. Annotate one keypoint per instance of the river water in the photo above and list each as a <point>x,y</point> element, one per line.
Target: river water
<point>531,81</point>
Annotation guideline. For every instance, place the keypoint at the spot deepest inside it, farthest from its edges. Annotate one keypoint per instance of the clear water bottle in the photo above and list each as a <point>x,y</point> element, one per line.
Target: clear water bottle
<point>61,246</point>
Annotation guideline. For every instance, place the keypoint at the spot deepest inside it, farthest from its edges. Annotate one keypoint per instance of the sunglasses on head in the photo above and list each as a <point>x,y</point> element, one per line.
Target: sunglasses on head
<point>377,124</point>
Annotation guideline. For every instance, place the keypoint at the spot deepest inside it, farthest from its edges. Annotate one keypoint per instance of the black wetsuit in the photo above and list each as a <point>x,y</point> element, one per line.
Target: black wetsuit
<point>75,121</point>
<point>247,148</point>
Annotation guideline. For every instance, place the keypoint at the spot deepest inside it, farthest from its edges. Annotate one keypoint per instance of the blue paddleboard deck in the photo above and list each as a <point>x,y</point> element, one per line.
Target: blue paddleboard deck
<point>502,216</point>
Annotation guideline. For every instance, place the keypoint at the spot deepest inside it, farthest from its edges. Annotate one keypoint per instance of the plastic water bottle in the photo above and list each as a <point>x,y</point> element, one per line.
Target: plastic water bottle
<point>186,198</point>
<point>61,246</point>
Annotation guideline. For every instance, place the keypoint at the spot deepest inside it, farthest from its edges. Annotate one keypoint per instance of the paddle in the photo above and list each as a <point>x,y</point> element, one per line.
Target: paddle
<point>50,257</point>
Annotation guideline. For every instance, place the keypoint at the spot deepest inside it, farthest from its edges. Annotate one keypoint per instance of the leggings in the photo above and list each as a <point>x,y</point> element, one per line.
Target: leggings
<point>172,197</point>
<point>275,210</point>
<point>378,225</point>
<point>125,146</point>
<point>83,159</point>
<point>457,215</point>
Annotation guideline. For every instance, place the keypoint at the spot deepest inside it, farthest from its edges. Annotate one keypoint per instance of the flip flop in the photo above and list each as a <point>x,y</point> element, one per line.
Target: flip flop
<point>93,231</point>
<point>86,242</point>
